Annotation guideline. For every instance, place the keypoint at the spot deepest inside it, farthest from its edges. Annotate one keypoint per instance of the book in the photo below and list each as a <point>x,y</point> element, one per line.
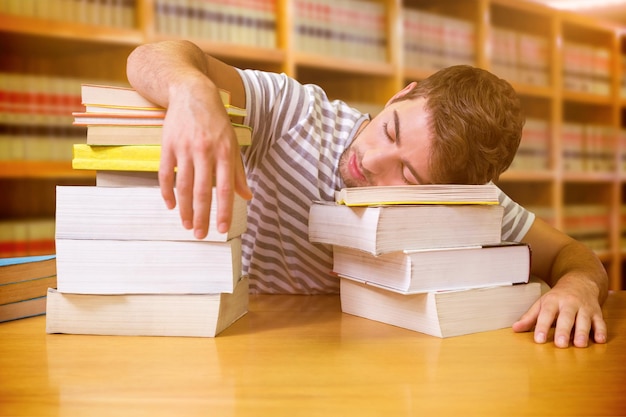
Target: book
<point>383,229</point>
<point>191,315</point>
<point>132,213</point>
<point>26,289</point>
<point>117,158</point>
<point>23,309</point>
<point>418,194</point>
<point>441,313</point>
<point>114,96</point>
<point>127,179</point>
<point>24,282</point>
<point>146,135</point>
<point>26,268</point>
<point>126,116</point>
<point>105,266</point>
<point>28,236</point>
<point>137,111</point>
<point>117,119</point>
<point>102,99</point>
<point>419,271</point>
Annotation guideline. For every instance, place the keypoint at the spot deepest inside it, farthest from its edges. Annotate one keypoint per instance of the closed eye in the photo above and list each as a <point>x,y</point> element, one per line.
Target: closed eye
<point>395,140</point>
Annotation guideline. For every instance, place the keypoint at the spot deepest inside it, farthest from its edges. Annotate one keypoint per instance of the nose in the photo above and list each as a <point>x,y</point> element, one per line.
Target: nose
<point>380,161</point>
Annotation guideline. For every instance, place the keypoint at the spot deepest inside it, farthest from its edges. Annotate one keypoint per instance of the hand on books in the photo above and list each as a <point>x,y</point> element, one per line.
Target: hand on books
<point>199,142</point>
<point>572,304</point>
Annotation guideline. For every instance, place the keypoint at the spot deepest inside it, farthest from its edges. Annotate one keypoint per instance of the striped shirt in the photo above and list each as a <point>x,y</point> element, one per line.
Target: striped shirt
<point>298,137</point>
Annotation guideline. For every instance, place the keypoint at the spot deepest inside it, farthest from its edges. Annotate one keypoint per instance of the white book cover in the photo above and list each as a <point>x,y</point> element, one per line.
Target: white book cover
<point>147,267</point>
<point>132,213</point>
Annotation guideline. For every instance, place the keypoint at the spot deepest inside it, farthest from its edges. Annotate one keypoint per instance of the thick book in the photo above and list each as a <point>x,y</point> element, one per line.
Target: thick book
<point>383,229</point>
<point>190,315</point>
<point>419,271</point>
<point>441,313</point>
<point>25,268</point>
<point>147,267</point>
<point>418,194</point>
<point>146,135</point>
<point>132,213</point>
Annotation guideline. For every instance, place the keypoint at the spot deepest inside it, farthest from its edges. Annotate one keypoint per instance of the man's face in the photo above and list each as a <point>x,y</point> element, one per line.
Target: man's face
<point>392,149</point>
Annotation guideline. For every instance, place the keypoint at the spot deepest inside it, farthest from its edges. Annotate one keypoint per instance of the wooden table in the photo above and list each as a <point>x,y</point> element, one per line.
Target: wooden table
<point>299,355</point>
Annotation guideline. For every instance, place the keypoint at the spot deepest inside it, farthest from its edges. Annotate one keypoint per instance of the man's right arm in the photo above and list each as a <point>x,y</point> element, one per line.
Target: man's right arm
<point>198,139</point>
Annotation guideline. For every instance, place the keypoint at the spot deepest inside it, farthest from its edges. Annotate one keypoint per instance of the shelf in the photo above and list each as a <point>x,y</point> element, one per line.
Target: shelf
<point>587,98</point>
<point>67,31</point>
<point>589,177</point>
<point>533,90</point>
<point>330,63</point>
<point>605,256</point>
<point>41,170</point>
<point>225,50</point>
<point>525,176</point>
<point>415,74</point>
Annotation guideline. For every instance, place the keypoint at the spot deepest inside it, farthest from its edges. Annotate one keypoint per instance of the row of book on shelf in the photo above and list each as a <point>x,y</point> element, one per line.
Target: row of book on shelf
<point>433,41</point>
<point>36,117</point>
<point>585,147</point>
<point>353,29</point>
<point>113,13</point>
<point>589,147</point>
<point>520,57</point>
<point>243,22</point>
<point>586,68</point>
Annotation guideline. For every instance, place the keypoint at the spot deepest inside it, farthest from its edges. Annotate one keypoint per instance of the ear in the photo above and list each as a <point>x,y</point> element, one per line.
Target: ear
<point>402,93</point>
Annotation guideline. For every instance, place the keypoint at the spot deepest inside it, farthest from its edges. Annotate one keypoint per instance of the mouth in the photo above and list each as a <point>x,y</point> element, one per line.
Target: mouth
<point>355,169</point>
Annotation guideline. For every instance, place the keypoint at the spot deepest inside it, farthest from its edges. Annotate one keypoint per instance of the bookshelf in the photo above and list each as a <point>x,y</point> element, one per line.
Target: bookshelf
<point>568,69</point>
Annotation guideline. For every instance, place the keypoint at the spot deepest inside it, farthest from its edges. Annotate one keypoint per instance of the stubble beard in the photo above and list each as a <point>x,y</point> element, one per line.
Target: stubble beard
<point>344,170</point>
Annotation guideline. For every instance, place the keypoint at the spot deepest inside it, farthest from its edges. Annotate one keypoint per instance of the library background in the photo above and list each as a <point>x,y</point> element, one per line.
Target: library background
<point>569,70</point>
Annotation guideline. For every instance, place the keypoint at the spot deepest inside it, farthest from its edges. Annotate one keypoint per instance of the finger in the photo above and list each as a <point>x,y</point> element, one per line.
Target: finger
<point>600,334</point>
<point>202,196</point>
<point>581,329</point>
<point>224,194</point>
<point>546,317</point>
<point>166,178</point>
<point>184,190</point>
<point>564,326</point>
<point>528,320</point>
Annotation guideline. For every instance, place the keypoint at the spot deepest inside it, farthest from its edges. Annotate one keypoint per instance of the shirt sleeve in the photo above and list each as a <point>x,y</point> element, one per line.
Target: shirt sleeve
<point>516,220</point>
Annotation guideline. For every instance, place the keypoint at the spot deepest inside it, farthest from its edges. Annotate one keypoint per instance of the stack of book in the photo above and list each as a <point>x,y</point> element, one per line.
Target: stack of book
<point>24,282</point>
<point>428,258</point>
<point>124,132</point>
<point>125,264</point>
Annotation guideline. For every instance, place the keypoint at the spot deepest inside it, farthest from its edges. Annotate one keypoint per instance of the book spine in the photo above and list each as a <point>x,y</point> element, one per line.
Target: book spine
<point>35,117</point>
<point>26,237</point>
<point>533,152</point>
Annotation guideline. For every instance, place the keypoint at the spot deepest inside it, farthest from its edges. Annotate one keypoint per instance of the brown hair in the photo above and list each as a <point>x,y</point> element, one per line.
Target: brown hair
<point>476,124</point>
